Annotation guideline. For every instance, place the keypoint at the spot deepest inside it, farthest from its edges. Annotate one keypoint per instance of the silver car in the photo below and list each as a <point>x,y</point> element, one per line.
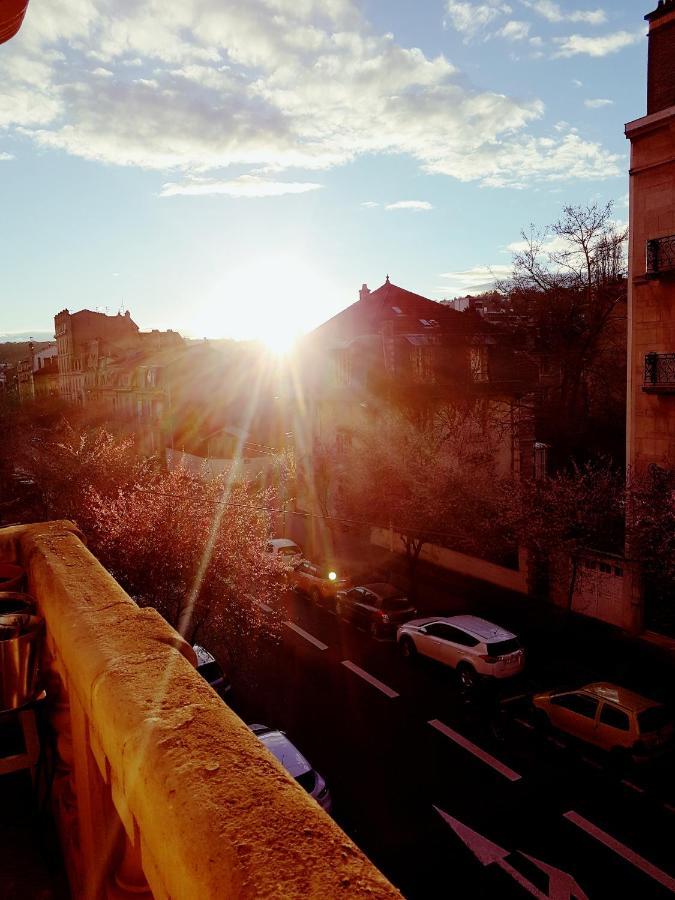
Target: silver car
<point>295,763</point>
<point>472,646</point>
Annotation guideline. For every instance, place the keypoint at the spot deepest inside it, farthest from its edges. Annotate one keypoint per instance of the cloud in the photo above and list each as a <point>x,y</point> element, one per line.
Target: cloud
<point>577,83</point>
<point>473,281</point>
<point>515,31</point>
<point>598,104</point>
<point>471,18</point>
<point>244,186</point>
<point>201,86</point>
<point>554,13</point>
<point>5,157</point>
<point>417,205</point>
<point>576,44</point>
<point>370,204</point>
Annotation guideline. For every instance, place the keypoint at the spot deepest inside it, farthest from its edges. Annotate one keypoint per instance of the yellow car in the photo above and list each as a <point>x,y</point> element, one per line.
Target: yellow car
<point>610,717</point>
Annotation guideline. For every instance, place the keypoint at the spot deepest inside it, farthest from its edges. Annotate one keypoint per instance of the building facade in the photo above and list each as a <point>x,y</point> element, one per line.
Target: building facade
<point>38,374</point>
<point>651,294</point>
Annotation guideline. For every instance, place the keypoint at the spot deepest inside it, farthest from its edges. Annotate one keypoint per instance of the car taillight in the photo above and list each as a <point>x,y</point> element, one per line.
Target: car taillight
<point>490,659</point>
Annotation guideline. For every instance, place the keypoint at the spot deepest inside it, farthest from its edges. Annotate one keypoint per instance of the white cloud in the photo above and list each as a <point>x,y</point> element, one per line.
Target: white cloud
<point>554,13</point>
<point>471,18</point>
<point>603,45</point>
<point>244,186</point>
<point>417,205</point>
<point>268,85</point>
<point>514,31</point>
<point>100,72</point>
<point>577,83</point>
<point>598,103</point>
<point>473,281</point>
<point>370,204</point>
<point>5,157</point>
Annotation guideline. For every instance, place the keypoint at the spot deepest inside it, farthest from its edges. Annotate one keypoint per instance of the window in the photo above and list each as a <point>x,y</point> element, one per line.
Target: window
<point>615,718</point>
<point>501,648</point>
<point>343,367</point>
<point>343,441</point>
<point>454,635</point>
<point>479,364</point>
<point>581,704</point>
<point>605,568</point>
<point>423,364</point>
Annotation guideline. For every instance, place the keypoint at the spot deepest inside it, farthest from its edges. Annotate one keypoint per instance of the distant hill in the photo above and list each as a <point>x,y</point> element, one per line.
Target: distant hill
<point>23,336</point>
<point>12,351</point>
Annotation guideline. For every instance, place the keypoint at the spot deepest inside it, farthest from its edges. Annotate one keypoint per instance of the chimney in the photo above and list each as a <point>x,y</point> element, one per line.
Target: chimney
<point>364,292</point>
<point>661,65</point>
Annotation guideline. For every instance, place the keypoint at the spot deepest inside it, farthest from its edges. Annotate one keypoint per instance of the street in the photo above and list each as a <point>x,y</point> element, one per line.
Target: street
<point>450,798</point>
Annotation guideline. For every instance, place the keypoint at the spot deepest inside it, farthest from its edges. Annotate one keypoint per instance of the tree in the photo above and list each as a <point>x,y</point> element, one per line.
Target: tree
<point>558,518</point>
<point>406,481</point>
<point>194,550</point>
<point>650,538</point>
<point>567,295</point>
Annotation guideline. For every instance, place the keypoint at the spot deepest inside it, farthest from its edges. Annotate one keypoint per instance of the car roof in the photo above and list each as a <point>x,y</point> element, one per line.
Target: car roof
<point>282,542</point>
<point>613,693</point>
<point>382,589</point>
<point>285,751</point>
<point>479,628</point>
<point>203,656</point>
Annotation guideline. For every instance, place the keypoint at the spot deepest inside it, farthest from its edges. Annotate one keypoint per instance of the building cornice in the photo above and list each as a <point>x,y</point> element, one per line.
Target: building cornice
<point>648,123</point>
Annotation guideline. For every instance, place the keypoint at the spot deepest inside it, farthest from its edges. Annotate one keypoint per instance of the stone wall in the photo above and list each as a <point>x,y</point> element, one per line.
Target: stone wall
<point>159,788</point>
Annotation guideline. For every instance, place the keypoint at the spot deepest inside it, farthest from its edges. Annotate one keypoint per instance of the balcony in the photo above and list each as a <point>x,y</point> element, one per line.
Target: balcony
<point>661,256</point>
<point>158,788</point>
<point>659,373</point>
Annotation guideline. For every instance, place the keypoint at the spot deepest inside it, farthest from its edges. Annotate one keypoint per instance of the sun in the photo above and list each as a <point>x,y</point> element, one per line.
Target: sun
<point>271,298</point>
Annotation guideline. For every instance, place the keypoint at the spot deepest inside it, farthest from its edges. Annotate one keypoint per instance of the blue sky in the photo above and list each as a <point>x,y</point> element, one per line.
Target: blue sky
<point>239,169</point>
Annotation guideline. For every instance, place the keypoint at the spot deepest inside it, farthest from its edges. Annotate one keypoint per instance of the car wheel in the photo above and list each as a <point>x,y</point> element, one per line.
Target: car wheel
<point>374,630</point>
<point>408,648</point>
<point>467,676</point>
<point>316,596</point>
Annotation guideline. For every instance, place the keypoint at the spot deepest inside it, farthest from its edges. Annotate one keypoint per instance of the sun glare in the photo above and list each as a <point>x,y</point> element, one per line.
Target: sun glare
<point>271,299</point>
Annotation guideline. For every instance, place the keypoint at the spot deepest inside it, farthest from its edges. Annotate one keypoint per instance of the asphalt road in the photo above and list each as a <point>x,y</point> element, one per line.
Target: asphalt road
<point>457,799</point>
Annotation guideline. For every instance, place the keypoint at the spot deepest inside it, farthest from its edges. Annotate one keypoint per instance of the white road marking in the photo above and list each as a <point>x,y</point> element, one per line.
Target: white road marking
<point>554,740</point>
<point>622,850</point>
<point>483,755</point>
<point>528,725</point>
<point>306,635</point>
<point>633,787</point>
<point>380,685</point>
<point>591,762</point>
<point>263,606</point>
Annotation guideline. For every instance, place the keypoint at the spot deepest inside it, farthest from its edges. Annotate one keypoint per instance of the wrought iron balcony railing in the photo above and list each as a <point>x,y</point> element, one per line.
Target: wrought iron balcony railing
<point>659,372</point>
<point>661,255</point>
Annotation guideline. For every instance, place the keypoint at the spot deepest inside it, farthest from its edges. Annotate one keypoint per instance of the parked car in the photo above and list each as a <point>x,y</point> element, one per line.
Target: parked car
<point>320,582</point>
<point>211,671</point>
<point>610,717</point>
<point>295,763</point>
<point>378,607</point>
<point>474,647</point>
<point>286,550</point>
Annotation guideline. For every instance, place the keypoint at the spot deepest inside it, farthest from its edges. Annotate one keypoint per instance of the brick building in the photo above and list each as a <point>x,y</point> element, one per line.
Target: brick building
<point>651,295</point>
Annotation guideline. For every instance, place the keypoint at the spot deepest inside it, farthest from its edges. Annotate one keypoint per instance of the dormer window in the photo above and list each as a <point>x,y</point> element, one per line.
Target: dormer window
<point>429,323</point>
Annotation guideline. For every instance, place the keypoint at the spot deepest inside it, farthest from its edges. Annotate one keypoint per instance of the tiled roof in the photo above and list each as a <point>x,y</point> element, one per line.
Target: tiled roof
<point>386,303</point>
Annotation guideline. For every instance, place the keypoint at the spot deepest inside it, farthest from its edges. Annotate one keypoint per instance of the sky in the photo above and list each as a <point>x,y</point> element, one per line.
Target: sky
<point>240,168</point>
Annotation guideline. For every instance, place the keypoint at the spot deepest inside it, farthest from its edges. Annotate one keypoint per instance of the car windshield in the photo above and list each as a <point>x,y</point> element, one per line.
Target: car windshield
<point>394,603</point>
<point>501,648</point>
<point>289,551</point>
<point>653,718</point>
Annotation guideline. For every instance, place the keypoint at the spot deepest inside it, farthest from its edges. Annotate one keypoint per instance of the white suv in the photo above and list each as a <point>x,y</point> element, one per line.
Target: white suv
<point>472,646</point>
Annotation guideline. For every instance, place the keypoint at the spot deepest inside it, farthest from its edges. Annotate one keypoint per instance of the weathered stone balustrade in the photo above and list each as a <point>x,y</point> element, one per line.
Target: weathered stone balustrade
<point>159,789</point>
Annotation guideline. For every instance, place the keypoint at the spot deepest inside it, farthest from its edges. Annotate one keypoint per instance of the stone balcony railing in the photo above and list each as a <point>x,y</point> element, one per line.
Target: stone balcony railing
<point>159,789</point>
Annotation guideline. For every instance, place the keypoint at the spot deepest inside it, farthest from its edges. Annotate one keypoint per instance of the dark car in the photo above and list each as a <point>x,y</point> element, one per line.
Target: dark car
<point>320,581</point>
<point>211,671</point>
<point>380,608</point>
